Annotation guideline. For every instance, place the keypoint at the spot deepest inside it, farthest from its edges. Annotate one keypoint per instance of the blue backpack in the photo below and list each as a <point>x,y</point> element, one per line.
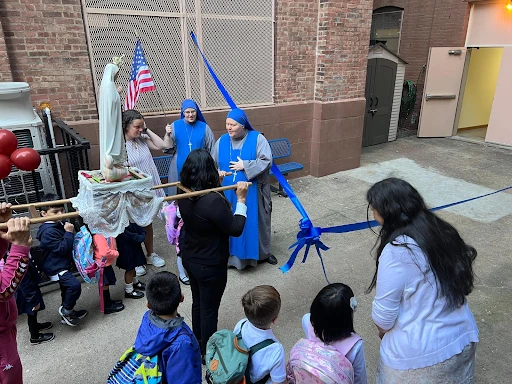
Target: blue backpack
<point>134,368</point>
<point>83,256</point>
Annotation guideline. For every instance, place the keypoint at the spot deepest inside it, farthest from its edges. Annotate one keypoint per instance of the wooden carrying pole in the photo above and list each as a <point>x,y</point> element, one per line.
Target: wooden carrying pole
<point>71,215</point>
<point>67,201</point>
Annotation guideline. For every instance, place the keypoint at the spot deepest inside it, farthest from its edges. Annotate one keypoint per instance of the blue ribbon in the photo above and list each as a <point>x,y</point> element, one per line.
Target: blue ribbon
<point>309,235</point>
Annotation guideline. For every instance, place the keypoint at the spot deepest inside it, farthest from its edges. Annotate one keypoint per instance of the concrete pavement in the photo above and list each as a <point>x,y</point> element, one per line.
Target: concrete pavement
<point>442,170</point>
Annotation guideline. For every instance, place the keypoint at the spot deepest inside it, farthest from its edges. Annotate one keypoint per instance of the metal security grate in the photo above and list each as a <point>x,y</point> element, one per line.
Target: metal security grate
<point>17,188</point>
<point>237,37</point>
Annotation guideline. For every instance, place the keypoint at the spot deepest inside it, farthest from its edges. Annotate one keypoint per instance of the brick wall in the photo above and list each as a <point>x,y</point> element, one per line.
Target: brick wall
<point>47,48</point>
<point>296,29</point>
<point>343,36</point>
<point>5,66</point>
<point>427,23</point>
<point>320,45</point>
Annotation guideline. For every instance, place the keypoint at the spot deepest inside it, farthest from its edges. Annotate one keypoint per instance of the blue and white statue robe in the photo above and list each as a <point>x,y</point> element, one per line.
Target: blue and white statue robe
<point>201,136</point>
<point>254,150</point>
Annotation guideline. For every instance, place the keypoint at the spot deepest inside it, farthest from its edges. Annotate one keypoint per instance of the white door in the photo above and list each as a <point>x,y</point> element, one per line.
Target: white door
<point>441,93</point>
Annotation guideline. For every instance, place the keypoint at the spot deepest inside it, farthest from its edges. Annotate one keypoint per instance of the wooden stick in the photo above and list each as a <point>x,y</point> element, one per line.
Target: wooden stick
<point>40,204</point>
<point>39,220</point>
<point>184,188</point>
<point>199,193</point>
<point>67,201</point>
<point>71,215</point>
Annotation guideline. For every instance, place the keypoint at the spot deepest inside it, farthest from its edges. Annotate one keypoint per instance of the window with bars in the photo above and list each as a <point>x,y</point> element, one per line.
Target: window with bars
<point>236,36</point>
<point>386,27</point>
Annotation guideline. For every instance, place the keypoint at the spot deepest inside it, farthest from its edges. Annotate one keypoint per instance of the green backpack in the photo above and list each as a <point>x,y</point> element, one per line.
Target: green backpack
<point>227,358</point>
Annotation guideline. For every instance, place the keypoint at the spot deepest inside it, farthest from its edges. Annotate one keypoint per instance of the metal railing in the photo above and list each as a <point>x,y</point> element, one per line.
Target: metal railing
<point>75,150</point>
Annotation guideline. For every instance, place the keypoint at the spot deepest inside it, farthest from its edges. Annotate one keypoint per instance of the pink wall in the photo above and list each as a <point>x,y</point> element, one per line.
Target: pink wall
<point>489,25</point>
<point>499,129</point>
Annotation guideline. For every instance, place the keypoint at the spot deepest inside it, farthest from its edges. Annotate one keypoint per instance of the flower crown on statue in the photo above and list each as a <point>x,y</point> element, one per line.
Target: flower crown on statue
<point>118,61</point>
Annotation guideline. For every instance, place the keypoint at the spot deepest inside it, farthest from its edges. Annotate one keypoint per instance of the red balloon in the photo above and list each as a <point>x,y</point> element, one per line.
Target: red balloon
<point>8,142</point>
<point>26,159</point>
<point>5,166</point>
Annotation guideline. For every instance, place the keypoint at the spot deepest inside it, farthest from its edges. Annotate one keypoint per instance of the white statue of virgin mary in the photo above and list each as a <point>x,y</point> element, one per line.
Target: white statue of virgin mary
<point>112,144</point>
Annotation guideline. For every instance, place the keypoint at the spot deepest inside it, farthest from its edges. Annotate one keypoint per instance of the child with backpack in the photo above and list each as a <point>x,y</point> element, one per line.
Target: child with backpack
<point>332,352</point>
<point>56,242</point>
<point>105,253</point>
<point>165,350</point>
<point>131,255</point>
<point>266,365</point>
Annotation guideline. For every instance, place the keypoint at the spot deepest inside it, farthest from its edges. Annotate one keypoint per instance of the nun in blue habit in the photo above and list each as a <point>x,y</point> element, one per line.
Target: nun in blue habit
<point>246,153</point>
<point>183,136</point>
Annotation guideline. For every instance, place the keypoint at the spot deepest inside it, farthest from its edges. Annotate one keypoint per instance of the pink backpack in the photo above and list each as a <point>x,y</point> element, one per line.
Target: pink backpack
<point>169,212</point>
<point>313,362</point>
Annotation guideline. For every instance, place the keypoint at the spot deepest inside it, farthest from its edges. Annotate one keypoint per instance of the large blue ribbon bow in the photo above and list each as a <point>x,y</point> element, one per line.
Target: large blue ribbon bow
<point>309,235</point>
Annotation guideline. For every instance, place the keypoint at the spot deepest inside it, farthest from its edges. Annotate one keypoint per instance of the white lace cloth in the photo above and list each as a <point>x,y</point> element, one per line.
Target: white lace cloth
<point>109,208</point>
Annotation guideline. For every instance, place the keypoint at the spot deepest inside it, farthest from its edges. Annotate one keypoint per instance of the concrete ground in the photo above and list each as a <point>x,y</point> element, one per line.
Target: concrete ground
<point>443,170</point>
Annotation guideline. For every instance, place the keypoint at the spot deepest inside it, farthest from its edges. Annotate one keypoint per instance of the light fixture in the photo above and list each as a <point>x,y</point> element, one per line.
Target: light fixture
<point>509,6</point>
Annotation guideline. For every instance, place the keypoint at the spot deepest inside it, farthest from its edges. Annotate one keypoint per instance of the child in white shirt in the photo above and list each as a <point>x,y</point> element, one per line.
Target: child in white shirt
<point>331,321</point>
<point>261,306</point>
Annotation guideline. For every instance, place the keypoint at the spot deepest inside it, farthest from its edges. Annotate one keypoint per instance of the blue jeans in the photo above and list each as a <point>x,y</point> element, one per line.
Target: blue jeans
<point>70,289</point>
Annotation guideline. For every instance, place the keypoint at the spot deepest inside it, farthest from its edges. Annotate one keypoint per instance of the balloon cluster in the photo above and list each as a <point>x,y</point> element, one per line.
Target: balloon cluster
<point>26,159</point>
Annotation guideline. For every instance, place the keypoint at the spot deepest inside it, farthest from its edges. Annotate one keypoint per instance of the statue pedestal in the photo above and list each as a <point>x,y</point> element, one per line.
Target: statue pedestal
<point>108,208</point>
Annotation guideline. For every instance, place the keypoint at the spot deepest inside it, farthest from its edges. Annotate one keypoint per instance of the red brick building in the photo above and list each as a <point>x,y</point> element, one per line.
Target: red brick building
<point>319,67</point>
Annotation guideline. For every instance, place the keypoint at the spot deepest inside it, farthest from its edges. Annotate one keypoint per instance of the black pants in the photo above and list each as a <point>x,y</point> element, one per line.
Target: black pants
<point>207,284</point>
<point>33,327</point>
<point>70,290</point>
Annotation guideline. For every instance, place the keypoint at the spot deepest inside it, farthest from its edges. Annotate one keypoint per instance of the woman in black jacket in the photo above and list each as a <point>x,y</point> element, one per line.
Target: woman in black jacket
<point>208,222</point>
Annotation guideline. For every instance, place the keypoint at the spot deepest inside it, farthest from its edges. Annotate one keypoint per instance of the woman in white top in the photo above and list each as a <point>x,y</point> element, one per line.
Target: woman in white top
<point>139,143</point>
<point>424,273</point>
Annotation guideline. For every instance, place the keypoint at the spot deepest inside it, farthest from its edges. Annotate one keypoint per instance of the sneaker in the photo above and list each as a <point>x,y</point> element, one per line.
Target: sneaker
<point>81,313</point>
<point>44,326</point>
<point>43,338</point>
<point>113,308</point>
<point>134,295</point>
<point>70,319</point>
<point>155,260</point>
<point>140,271</point>
<point>117,302</point>
<point>139,286</point>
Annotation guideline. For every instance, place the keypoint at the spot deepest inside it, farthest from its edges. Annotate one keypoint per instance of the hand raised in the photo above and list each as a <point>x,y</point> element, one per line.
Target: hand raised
<point>68,227</point>
<point>241,190</point>
<point>5,212</point>
<point>18,232</point>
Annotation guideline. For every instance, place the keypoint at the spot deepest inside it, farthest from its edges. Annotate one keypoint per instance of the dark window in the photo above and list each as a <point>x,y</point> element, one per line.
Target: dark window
<point>386,27</point>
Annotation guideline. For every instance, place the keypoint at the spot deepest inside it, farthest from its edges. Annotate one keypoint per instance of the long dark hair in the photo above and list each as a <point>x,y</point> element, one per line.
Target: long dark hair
<point>332,317</point>
<point>129,117</point>
<point>404,213</point>
<point>199,171</point>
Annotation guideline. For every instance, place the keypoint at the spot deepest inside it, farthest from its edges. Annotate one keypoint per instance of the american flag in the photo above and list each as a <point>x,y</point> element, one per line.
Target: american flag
<point>140,78</point>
